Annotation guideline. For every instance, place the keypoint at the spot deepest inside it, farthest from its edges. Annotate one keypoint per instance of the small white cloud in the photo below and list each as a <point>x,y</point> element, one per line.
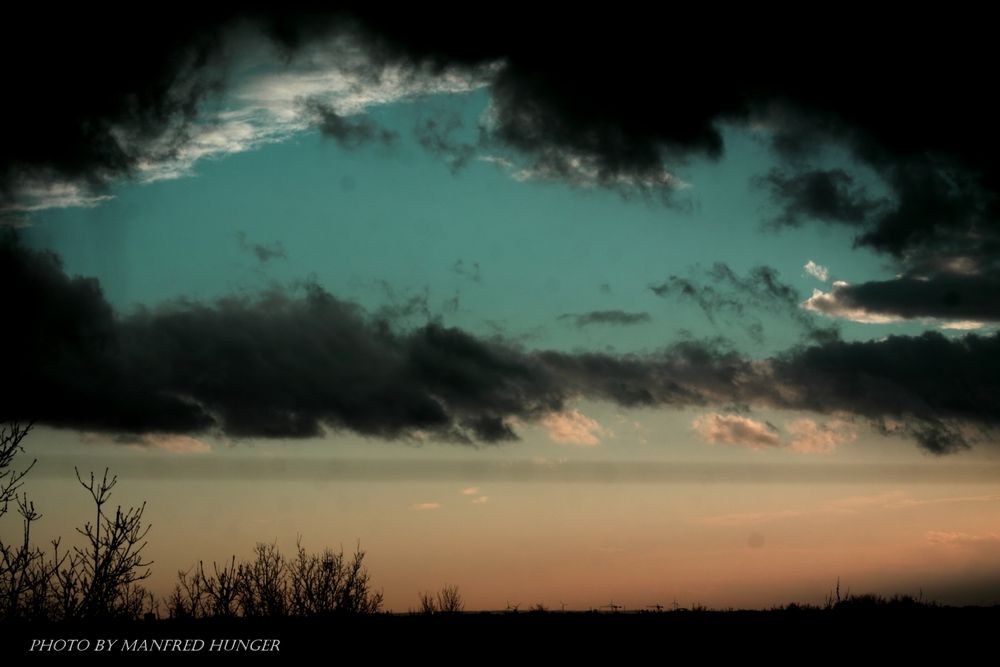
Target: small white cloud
<point>810,437</point>
<point>497,160</point>
<point>736,430</point>
<point>480,500</point>
<point>426,506</point>
<point>572,428</point>
<point>817,271</point>
<point>470,491</point>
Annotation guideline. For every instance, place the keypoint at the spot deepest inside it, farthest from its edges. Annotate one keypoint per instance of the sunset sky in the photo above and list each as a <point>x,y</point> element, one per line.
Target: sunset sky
<point>554,321</point>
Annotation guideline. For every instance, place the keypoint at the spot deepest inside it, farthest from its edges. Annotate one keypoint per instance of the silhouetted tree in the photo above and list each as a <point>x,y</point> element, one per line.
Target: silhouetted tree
<point>263,586</point>
<point>104,574</point>
<point>221,589</point>
<point>331,582</point>
<point>25,572</point>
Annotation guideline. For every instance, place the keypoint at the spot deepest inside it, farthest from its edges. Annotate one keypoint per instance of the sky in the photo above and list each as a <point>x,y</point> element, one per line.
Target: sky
<point>557,321</point>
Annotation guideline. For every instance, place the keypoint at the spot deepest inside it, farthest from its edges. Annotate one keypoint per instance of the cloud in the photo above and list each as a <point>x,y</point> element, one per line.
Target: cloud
<point>956,297</point>
<point>824,195</point>
<point>835,304</point>
<point>470,491</point>
<point>892,501</point>
<point>295,363</point>
<point>806,435</point>
<point>470,272</point>
<point>736,430</point>
<point>963,325</point>
<point>817,271</point>
<point>584,171</point>
<point>346,131</point>
<point>960,539</point>
<point>480,500</point>
<point>437,135</point>
<point>263,253</point>
<point>425,506</point>
<point>722,291</point>
<point>811,437</point>
<point>193,89</point>
<point>571,427</point>
<point>168,442</point>
<point>749,518</point>
<point>617,317</point>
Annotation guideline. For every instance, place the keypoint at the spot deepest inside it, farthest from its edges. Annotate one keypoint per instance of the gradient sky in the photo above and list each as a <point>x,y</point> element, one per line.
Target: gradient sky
<point>407,191</point>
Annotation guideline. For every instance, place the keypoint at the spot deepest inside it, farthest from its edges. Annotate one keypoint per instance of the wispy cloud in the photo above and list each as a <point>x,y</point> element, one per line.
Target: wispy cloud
<point>271,107</point>
<point>614,317</point>
<point>887,501</point>
<point>960,539</point>
<point>426,506</point>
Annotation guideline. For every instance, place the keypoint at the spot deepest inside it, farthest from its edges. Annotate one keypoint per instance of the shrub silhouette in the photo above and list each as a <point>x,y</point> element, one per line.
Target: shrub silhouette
<point>427,603</point>
<point>447,601</point>
<point>271,585</point>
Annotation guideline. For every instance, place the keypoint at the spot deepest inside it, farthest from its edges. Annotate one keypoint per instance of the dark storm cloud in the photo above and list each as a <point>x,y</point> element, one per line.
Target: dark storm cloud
<point>618,317</point>
<point>275,366</point>
<point>288,365</point>
<point>347,132</point>
<point>722,291</point>
<point>943,296</point>
<point>944,392</point>
<point>596,99</point>
<point>92,97</point>
<point>263,253</point>
<point>826,195</point>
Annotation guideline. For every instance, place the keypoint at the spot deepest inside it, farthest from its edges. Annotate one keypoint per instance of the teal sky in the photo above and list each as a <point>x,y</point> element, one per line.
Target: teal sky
<point>381,224</point>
